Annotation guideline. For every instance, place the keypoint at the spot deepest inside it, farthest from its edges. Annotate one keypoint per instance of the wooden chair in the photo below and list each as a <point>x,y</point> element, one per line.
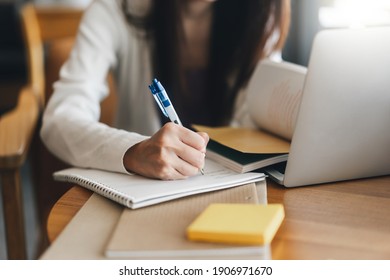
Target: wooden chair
<point>16,131</point>
<point>17,127</point>
<point>50,33</point>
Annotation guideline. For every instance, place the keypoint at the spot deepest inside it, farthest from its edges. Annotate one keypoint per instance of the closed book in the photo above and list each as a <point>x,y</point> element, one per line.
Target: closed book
<point>159,231</point>
<point>243,149</point>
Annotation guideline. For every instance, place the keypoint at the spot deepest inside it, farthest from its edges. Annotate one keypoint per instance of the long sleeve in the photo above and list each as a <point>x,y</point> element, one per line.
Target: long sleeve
<point>70,127</point>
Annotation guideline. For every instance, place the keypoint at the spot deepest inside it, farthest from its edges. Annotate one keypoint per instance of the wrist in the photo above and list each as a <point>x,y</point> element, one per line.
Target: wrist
<point>129,159</point>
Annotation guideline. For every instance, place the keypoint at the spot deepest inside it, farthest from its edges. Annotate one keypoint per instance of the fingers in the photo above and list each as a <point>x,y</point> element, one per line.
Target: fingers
<point>197,140</point>
<point>206,139</point>
<point>190,146</point>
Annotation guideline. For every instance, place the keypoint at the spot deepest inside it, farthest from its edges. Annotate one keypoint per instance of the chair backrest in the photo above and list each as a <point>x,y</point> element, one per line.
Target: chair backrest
<point>35,55</point>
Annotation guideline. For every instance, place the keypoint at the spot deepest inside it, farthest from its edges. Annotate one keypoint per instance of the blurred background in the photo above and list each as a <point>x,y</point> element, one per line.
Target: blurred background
<point>59,18</point>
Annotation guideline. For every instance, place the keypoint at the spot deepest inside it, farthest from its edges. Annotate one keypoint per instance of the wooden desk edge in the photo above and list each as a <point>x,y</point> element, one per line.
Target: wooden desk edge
<point>65,209</point>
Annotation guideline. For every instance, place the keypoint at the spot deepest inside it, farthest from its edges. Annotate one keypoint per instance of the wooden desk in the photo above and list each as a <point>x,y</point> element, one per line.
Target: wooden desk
<point>346,220</point>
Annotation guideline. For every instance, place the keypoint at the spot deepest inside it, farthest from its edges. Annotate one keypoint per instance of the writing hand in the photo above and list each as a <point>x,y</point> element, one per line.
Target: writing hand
<point>174,152</point>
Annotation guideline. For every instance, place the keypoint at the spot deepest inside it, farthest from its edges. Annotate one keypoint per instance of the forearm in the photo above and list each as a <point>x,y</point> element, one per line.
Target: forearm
<point>86,143</point>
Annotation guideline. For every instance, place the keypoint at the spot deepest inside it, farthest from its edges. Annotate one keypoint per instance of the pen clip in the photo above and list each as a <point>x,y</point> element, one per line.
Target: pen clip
<point>154,91</point>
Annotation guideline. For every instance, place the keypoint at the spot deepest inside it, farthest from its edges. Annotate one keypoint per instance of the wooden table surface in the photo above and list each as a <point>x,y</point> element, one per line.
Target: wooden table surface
<point>345,220</point>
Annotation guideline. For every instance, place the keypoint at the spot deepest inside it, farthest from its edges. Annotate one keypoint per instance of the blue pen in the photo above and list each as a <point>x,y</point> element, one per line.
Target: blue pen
<point>163,101</point>
<point>165,104</point>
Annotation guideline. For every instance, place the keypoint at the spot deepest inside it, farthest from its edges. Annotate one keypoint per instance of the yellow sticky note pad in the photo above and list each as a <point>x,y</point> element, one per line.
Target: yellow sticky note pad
<point>237,223</point>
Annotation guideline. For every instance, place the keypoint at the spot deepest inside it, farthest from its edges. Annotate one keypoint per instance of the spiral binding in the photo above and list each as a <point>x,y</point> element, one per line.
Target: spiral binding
<point>99,188</point>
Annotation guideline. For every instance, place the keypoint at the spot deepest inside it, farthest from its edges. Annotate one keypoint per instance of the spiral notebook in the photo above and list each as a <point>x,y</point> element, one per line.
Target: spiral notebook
<point>134,191</point>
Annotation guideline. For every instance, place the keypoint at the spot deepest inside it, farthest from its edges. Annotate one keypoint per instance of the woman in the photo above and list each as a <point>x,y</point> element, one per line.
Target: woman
<point>202,51</point>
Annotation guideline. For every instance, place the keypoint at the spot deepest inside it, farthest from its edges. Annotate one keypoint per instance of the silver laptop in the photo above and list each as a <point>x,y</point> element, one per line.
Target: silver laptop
<point>343,125</point>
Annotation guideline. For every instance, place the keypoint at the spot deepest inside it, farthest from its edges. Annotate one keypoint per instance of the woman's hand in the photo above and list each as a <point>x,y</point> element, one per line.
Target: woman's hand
<point>174,152</point>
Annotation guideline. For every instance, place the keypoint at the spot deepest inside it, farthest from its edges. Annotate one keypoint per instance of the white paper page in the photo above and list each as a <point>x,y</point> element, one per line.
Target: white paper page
<point>274,96</point>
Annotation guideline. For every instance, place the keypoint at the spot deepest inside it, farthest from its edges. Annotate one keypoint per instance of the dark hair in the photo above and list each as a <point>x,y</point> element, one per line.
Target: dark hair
<point>239,32</point>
